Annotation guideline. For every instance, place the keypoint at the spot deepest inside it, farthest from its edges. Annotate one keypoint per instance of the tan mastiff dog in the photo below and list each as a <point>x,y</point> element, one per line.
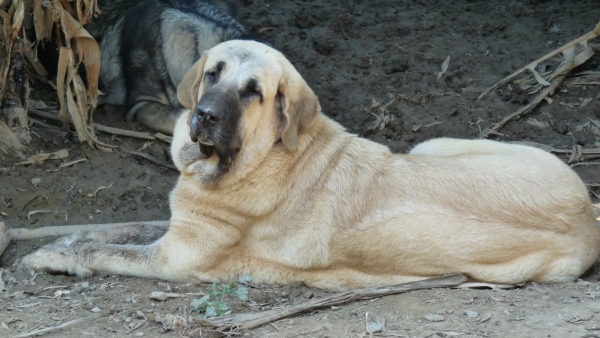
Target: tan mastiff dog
<point>271,187</point>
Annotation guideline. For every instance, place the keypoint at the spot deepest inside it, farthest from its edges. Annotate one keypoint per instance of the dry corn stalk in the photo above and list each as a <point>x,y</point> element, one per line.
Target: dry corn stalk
<point>594,33</point>
<point>77,46</point>
<point>574,54</point>
<point>14,87</point>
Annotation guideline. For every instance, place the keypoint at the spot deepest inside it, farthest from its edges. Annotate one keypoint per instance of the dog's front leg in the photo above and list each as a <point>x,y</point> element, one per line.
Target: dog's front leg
<point>90,258</point>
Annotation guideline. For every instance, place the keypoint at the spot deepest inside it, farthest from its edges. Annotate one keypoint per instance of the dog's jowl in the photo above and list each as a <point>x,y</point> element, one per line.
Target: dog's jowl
<point>271,187</point>
<point>147,46</point>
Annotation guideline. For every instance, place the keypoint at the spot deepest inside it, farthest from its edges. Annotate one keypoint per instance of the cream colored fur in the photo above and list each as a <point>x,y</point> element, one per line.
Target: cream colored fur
<point>336,211</point>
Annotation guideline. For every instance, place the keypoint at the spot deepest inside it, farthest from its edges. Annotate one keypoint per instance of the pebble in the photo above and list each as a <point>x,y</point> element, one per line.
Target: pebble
<point>471,314</point>
<point>139,334</point>
<point>96,309</point>
<point>434,317</point>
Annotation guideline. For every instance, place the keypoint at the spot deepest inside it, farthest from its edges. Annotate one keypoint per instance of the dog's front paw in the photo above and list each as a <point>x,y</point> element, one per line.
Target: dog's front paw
<point>55,259</point>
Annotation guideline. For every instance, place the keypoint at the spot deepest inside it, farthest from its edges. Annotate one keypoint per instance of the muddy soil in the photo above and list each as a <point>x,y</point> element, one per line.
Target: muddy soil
<point>374,65</point>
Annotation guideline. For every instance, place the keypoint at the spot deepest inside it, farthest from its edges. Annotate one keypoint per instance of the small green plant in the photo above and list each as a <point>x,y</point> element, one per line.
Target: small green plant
<point>214,303</point>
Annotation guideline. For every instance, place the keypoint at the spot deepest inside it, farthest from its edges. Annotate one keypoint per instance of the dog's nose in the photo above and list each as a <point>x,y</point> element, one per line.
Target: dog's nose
<point>203,117</point>
<point>206,116</point>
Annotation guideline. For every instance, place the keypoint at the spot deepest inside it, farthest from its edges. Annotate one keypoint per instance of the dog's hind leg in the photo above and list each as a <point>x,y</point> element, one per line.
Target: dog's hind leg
<point>140,234</point>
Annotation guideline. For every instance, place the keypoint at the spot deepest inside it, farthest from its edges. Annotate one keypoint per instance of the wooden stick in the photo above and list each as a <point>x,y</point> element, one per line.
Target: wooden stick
<point>246,321</point>
<point>23,234</point>
<point>63,325</point>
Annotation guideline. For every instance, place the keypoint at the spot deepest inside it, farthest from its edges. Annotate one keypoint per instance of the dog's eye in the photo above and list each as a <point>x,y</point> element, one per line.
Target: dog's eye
<point>211,76</point>
<point>251,90</point>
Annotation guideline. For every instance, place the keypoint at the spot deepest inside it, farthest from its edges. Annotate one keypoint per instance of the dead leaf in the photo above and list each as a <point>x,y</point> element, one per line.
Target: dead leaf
<point>99,188</point>
<point>33,212</point>
<point>585,102</point>
<point>4,326</point>
<point>68,164</point>
<point>576,155</point>
<point>40,158</point>
<point>537,76</point>
<point>445,65</point>
<point>536,123</point>
<point>35,181</point>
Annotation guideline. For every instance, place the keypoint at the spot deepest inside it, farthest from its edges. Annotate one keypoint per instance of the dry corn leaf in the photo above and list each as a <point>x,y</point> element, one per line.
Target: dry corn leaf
<point>88,52</point>
<point>43,19</point>
<point>17,21</point>
<point>538,77</point>
<point>581,40</point>
<point>40,158</point>
<point>585,102</point>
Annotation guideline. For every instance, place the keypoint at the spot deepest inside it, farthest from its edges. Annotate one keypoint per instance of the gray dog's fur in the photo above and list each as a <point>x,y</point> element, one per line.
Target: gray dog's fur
<point>147,46</point>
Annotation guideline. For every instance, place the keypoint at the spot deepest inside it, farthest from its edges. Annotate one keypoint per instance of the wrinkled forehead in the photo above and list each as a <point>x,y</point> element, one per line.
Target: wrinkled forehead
<point>245,59</point>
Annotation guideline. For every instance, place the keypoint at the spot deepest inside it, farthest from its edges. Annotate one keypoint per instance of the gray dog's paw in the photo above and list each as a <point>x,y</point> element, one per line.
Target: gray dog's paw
<point>53,258</point>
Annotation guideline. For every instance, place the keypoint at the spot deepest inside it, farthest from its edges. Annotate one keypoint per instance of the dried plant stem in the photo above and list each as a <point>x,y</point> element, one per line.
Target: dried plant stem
<point>102,128</point>
<point>241,322</point>
<point>594,33</point>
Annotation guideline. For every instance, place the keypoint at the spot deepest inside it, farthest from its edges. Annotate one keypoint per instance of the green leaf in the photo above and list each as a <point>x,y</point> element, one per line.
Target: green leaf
<point>241,292</point>
<point>245,279</point>
<point>210,311</point>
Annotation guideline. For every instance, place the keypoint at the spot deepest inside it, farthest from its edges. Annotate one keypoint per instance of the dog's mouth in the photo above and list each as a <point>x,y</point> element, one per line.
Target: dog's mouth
<point>207,147</point>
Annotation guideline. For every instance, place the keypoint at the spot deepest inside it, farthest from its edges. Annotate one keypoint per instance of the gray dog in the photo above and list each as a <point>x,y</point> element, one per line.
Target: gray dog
<point>147,46</point>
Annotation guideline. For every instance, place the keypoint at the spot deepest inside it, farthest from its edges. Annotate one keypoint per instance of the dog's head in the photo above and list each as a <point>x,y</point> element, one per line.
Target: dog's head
<point>244,98</point>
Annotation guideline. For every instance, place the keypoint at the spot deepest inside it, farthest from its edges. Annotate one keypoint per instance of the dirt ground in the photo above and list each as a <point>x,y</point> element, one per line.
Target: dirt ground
<point>358,56</point>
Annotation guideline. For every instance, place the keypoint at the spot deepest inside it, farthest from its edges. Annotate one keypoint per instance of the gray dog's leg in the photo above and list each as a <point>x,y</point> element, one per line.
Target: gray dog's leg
<point>155,115</point>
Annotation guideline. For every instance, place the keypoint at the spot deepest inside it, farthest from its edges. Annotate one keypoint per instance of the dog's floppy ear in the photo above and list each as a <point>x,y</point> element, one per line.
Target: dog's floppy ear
<point>188,89</point>
<point>298,106</point>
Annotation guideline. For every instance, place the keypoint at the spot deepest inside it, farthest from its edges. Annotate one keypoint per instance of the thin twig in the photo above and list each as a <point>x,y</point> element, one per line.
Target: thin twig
<point>146,156</point>
<point>63,325</point>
